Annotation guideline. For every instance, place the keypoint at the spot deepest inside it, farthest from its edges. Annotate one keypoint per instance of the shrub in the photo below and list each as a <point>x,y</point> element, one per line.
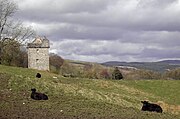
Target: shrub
<point>117,74</point>
<point>90,71</point>
<point>55,62</point>
<point>69,70</point>
<point>173,74</point>
<point>144,74</point>
<point>9,56</point>
<point>104,74</point>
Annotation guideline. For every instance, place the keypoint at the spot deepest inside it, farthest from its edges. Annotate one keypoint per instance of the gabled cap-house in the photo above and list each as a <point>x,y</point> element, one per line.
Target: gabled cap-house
<point>38,54</point>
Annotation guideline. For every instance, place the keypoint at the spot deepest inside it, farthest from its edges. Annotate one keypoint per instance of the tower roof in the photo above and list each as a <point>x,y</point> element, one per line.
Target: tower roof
<point>39,43</point>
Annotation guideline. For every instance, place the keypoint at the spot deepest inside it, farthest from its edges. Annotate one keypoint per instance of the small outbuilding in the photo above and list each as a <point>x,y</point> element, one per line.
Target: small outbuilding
<point>38,54</point>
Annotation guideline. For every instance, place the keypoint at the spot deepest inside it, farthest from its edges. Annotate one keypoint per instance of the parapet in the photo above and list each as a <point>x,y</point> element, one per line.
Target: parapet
<point>39,43</point>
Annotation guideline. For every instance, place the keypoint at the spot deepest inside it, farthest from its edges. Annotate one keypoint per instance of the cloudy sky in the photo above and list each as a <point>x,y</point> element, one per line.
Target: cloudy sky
<point>104,30</point>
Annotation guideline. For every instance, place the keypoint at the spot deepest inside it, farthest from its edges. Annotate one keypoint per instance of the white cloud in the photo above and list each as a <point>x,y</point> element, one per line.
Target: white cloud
<point>96,49</point>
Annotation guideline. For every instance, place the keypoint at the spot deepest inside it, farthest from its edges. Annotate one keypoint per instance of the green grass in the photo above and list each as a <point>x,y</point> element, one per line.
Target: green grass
<point>167,90</point>
<point>82,98</point>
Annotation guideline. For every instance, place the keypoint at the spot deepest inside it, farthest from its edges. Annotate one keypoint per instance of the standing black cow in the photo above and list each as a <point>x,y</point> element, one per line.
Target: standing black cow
<point>38,96</point>
<point>151,107</point>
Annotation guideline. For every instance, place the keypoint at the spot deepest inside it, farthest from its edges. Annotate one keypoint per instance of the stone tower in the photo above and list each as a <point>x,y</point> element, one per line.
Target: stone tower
<point>38,54</point>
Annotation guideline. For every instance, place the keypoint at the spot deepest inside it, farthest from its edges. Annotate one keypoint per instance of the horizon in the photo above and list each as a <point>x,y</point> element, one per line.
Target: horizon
<point>125,61</point>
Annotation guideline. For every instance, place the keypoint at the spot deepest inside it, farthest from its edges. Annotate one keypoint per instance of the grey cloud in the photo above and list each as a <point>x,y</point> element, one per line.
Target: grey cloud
<point>99,14</point>
<point>107,29</point>
<point>156,3</point>
<point>93,33</point>
<point>88,48</point>
<point>160,38</point>
<point>64,6</point>
<point>161,53</point>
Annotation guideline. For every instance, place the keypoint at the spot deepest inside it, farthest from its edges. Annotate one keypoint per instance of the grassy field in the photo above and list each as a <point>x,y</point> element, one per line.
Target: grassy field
<point>72,98</point>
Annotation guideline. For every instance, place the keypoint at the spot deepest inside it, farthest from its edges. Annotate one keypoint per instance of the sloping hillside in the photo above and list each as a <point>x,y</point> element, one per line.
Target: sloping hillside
<point>83,98</point>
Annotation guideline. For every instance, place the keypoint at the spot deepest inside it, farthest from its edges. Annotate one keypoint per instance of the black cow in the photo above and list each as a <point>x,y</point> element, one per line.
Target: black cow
<point>38,75</point>
<point>38,96</point>
<point>151,107</point>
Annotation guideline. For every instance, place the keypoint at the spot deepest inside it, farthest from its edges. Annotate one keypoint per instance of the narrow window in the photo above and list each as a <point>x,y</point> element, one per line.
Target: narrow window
<point>37,60</point>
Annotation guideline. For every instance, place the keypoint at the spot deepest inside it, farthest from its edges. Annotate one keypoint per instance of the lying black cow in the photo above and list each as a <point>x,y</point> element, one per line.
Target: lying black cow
<point>38,75</point>
<point>38,96</point>
<point>151,107</point>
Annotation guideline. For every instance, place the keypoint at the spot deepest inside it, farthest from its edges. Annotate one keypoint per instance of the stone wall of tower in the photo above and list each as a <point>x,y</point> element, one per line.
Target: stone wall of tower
<point>38,58</point>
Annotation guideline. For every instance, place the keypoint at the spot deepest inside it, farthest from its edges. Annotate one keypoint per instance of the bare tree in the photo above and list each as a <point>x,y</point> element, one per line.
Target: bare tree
<point>10,29</point>
<point>56,61</point>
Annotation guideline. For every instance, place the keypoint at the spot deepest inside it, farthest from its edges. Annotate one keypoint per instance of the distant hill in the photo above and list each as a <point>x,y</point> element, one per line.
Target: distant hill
<point>173,62</point>
<point>159,66</point>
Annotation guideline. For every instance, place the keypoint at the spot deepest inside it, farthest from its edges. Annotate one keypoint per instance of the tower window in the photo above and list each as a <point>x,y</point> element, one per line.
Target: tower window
<point>37,60</point>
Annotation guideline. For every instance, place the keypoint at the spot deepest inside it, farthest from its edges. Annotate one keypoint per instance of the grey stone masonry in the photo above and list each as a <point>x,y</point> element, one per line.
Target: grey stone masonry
<point>38,54</point>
